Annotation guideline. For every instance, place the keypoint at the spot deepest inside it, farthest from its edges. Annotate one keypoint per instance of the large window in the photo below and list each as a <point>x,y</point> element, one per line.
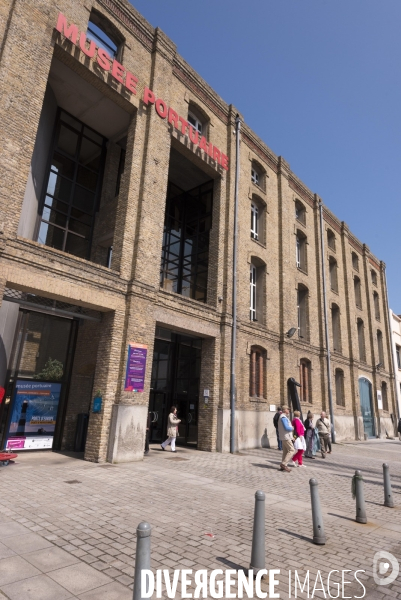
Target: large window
<point>257,373</point>
<point>336,327</point>
<point>73,187</point>
<point>300,251</point>
<point>333,274</point>
<point>185,253</point>
<point>361,340</point>
<point>305,394</point>
<point>302,302</point>
<point>339,381</point>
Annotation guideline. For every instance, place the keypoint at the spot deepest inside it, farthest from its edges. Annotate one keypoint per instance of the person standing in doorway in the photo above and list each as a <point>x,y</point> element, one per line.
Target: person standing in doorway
<point>285,430</point>
<point>275,423</point>
<point>323,427</point>
<point>310,434</point>
<point>172,429</point>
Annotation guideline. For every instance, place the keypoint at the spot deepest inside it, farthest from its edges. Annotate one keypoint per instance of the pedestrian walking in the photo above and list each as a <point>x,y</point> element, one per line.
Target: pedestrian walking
<point>323,427</point>
<point>285,430</point>
<point>172,429</point>
<point>275,423</point>
<point>299,443</point>
<point>309,435</point>
<point>399,428</point>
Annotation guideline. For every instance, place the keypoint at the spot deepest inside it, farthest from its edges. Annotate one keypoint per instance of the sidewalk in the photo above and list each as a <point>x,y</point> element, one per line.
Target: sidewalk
<point>67,527</point>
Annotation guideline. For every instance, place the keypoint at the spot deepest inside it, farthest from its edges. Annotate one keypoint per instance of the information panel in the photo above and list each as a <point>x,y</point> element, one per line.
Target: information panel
<point>34,414</point>
<point>136,368</point>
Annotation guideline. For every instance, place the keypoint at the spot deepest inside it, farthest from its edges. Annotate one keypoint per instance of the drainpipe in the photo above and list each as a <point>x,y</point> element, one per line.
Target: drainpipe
<point>234,331</point>
<point>326,325</point>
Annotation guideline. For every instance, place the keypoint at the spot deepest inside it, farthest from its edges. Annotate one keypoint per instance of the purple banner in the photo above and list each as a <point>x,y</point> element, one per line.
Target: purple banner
<point>136,368</point>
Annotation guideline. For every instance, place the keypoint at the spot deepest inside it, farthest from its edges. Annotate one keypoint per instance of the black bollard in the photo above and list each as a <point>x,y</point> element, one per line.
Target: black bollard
<point>258,556</point>
<point>142,557</point>
<point>318,527</point>
<point>388,494</point>
<point>360,498</point>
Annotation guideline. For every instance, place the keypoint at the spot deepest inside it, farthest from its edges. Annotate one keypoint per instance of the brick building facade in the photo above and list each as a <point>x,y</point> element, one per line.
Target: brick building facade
<point>117,207</point>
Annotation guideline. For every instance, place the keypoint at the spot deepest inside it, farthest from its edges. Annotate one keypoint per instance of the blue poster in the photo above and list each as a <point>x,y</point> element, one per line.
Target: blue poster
<point>34,414</point>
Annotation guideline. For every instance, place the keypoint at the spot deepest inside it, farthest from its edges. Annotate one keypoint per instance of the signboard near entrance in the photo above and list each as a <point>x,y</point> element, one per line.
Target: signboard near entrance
<point>33,420</point>
<point>136,368</point>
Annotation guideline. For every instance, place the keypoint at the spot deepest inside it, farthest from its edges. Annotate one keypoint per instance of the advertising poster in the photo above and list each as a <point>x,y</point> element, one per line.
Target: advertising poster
<point>136,368</point>
<point>33,420</point>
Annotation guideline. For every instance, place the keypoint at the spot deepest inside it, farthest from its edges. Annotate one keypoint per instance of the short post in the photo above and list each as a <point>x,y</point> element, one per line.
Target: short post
<point>360,498</point>
<point>318,527</point>
<point>258,556</point>
<point>388,494</point>
<point>142,558</point>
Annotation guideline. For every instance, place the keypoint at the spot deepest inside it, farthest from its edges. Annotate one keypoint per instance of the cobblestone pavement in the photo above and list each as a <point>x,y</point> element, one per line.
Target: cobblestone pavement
<point>67,527</point>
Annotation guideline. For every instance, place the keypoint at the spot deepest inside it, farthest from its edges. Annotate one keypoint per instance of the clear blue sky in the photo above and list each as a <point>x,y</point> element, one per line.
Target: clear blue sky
<point>319,82</point>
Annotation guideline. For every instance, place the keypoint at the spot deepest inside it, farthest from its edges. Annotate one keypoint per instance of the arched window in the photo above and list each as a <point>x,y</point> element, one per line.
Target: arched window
<point>196,122</point>
<point>305,379</point>
<point>252,281</point>
<point>384,396</point>
<point>333,274</point>
<point>336,327</point>
<point>257,373</point>
<point>374,277</point>
<point>303,312</point>
<point>256,289</point>
<point>361,340</point>
<point>331,240</point>
<point>357,292</point>
<point>355,261</point>
<point>376,305</point>
<point>300,212</point>
<point>339,381</point>
<point>258,211</point>
<point>300,251</point>
<point>379,337</point>
<point>104,34</point>
<point>258,175</point>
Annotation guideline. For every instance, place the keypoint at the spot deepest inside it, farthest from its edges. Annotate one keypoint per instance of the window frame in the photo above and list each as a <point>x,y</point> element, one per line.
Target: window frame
<point>361,339</point>
<point>257,369</point>
<point>331,240</point>
<point>333,274</point>
<point>339,387</point>
<point>300,212</point>
<point>254,221</point>
<point>305,379</point>
<point>253,292</point>
<point>198,123</point>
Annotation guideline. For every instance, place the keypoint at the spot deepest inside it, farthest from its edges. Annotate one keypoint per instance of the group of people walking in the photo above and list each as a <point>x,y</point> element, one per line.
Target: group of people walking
<point>299,440</point>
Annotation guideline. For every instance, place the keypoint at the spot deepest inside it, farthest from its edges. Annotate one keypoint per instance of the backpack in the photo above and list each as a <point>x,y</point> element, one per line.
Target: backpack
<point>275,420</point>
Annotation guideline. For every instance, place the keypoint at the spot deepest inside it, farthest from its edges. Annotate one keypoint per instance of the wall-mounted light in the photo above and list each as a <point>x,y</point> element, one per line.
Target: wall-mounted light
<point>378,366</point>
<point>291,332</point>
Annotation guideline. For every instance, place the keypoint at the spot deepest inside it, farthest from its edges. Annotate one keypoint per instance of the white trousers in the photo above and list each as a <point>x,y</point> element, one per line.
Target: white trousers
<point>170,440</point>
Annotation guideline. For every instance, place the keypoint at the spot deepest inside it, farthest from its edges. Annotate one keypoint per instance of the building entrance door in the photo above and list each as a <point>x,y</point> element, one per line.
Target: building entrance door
<point>365,396</point>
<point>175,382</point>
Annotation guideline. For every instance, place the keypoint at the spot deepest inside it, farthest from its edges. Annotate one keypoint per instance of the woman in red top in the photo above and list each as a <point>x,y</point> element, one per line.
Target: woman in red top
<point>299,444</point>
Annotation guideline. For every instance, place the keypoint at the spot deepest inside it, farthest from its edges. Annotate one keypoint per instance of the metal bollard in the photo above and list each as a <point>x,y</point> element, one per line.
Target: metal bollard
<point>318,527</point>
<point>258,556</point>
<point>142,558</point>
<point>360,498</point>
<point>388,494</point>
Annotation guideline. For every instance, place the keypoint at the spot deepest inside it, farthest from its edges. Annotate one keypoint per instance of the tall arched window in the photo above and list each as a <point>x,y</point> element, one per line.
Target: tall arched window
<point>361,340</point>
<point>331,240</point>
<point>300,213</point>
<point>258,211</point>
<point>300,254</point>
<point>333,274</point>
<point>104,34</point>
<point>258,175</point>
<point>376,305</point>
<point>384,396</point>
<point>336,327</point>
<point>339,381</point>
<point>379,336</point>
<point>252,283</point>
<point>305,379</point>
<point>257,373</point>
<point>374,277</point>
<point>357,292</point>
<point>355,261</point>
<point>303,316</point>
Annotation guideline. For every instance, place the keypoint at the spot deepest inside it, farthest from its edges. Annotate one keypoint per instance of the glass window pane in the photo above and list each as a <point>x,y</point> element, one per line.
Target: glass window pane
<point>87,178</point>
<point>81,216</point>
<point>70,120</point>
<point>59,187</point>
<point>79,227</point>
<point>63,165</point>
<point>67,140</point>
<point>83,199</point>
<point>93,135</point>
<point>51,236</point>
<point>56,204</point>
<point>101,39</point>
<point>89,154</point>
<point>54,217</point>
<point>77,246</point>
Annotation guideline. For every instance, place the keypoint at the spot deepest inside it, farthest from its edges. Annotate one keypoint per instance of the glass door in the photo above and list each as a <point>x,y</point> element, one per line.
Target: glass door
<point>157,410</point>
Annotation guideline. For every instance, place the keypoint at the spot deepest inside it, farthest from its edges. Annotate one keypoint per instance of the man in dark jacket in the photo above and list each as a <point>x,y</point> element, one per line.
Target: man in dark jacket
<point>275,423</point>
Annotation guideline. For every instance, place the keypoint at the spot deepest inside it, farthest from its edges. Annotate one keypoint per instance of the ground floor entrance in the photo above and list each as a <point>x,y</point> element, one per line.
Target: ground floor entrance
<point>365,396</point>
<point>175,382</point>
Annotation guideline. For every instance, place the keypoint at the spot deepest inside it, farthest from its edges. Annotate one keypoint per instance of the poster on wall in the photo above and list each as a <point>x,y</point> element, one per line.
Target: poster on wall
<point>136,368</point>
<point>34,414</point>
